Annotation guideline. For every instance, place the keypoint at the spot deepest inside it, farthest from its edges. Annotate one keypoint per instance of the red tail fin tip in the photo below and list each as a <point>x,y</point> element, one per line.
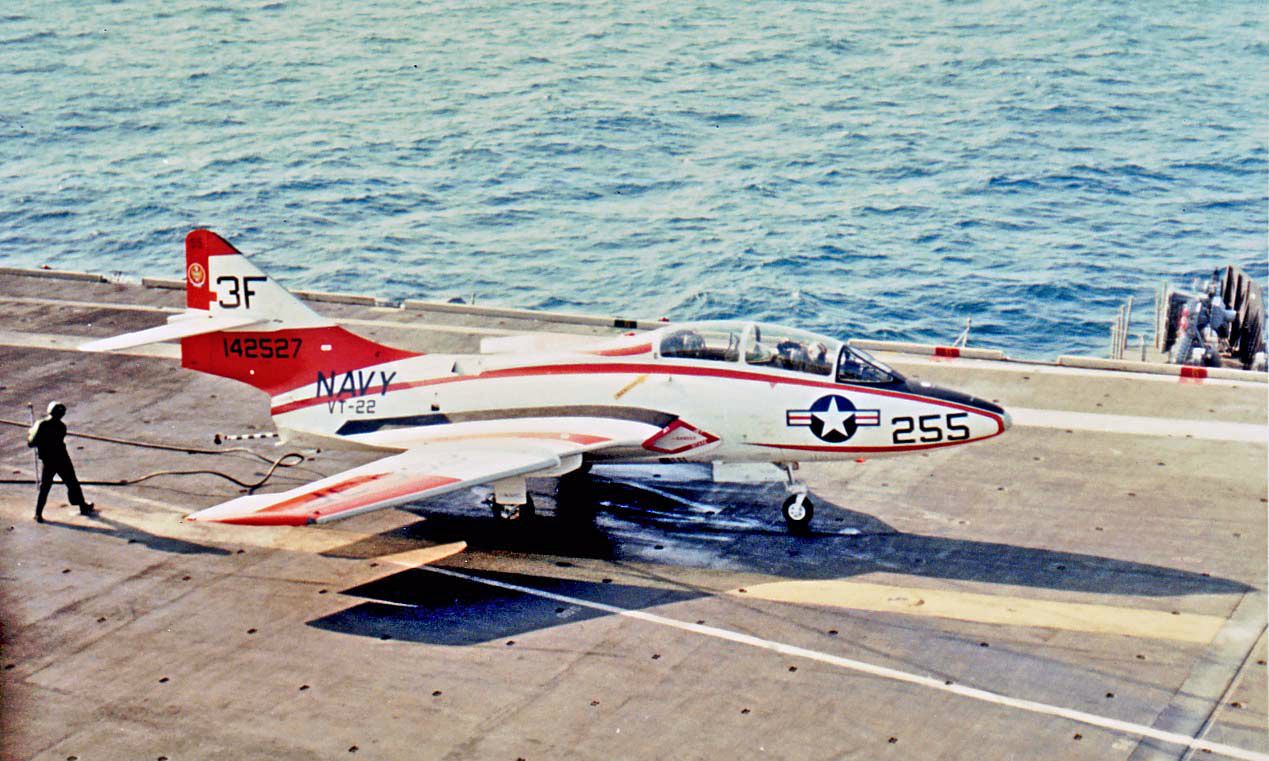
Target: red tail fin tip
<point>199,245</point>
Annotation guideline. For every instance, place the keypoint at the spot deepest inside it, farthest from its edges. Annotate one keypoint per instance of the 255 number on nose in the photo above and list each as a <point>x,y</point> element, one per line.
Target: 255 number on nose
<point>932,428</point>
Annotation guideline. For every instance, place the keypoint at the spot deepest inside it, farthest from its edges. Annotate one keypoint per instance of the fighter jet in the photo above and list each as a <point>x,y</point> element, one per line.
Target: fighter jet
<point>716,391</point>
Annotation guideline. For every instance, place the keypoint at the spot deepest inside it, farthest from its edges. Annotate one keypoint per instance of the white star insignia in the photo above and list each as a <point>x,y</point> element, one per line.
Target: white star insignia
<point>834,418</point>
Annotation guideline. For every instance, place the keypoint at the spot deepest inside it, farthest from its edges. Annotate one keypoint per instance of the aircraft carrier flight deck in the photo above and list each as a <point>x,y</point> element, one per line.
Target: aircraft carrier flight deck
<point>1091,585</point>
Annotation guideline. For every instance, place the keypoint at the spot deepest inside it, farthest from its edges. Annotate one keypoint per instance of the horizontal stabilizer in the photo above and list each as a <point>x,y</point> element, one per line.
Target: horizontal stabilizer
<point>181,326</point>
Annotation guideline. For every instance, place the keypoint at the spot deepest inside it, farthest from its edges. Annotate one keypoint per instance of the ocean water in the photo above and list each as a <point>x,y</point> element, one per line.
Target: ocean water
<point>881,170</point>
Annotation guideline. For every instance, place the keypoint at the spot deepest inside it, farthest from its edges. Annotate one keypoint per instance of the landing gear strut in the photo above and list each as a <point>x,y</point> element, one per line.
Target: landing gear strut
<point>511,500</point>
<point>798,509</point>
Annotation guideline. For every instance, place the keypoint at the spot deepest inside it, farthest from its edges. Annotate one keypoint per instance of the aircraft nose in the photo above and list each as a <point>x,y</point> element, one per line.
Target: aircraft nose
<point>957,397</point>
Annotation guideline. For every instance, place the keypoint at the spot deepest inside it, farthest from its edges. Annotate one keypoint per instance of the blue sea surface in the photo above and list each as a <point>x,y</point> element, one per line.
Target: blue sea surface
<point>881,170</point>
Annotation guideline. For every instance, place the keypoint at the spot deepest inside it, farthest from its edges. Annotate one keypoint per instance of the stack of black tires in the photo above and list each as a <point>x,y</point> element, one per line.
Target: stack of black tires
<point>1226,319</point>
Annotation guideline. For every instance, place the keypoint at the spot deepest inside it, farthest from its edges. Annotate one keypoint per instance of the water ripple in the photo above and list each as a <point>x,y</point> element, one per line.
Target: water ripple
<point>885,170</point>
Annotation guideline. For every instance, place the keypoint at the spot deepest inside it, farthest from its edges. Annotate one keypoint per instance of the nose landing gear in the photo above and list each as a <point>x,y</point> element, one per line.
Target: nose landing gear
<point>798,509</point>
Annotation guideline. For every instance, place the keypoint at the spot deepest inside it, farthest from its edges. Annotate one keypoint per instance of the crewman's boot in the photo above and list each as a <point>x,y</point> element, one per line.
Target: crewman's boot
<point>87,508</point>
<point>39,517</point>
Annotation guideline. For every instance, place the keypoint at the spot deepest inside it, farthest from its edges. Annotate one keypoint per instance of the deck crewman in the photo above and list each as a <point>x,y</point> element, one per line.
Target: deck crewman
<point>48,437</point>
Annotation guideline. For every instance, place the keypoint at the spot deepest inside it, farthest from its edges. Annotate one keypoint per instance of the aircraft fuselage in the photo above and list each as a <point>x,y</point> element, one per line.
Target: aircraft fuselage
<point>695,408</point>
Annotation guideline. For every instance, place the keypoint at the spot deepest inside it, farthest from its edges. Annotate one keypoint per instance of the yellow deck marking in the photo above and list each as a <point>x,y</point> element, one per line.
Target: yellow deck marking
<point>993,609</point>
<point>930,682</point>
<point>936,683</point>
<point>424,555</point>
<point>629,386</point>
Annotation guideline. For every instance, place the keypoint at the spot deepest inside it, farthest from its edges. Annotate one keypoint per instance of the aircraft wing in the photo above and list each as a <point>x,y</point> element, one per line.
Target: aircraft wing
<point>426,471</point>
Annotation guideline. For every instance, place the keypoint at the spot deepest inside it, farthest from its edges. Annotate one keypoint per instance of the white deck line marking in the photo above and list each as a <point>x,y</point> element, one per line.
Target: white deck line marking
<point>457,329</point>
<point>1214,430</point>
<point>1039,368</point>
<point>425,326</point>
<point>884,672</point>
<point>90,304</point>
<point>23,340</point>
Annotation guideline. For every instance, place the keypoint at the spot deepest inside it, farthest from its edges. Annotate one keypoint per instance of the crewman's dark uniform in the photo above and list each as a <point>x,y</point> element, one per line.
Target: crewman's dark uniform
<point>48,437</point>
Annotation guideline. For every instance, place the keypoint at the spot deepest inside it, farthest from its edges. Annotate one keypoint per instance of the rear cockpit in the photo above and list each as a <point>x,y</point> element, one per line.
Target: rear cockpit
<point>790,349</point>
<point>773,347</point>
<point>716,341</point>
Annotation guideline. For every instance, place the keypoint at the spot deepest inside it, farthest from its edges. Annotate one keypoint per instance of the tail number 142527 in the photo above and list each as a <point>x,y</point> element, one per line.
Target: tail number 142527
<point>262,347</point>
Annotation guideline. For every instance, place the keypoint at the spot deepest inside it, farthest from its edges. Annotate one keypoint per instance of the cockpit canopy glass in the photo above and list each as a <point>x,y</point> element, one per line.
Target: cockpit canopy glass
<point>714,341</point>
<point>775,347</point>
<point>858,366</point>
<point>790,349</point>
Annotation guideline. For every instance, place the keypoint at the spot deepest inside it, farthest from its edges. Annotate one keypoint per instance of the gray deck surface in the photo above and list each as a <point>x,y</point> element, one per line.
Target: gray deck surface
<point>1029,567</point>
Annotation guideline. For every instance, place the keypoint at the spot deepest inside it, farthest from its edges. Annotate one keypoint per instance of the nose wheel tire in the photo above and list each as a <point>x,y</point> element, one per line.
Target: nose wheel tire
<point>798,510</point>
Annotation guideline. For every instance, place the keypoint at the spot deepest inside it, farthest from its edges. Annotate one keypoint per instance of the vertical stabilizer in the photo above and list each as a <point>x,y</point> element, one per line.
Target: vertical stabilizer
<point>286,342</point>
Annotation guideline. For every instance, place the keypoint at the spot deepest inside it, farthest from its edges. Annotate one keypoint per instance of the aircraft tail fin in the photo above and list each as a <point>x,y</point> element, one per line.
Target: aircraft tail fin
<point>239,323</point>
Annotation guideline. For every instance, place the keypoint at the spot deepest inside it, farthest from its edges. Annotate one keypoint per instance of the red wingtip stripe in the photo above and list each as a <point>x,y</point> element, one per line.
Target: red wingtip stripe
<point>329,491</point>
<point>266,520</point>
<point>1193,372</point>
<point>946,351</point>
<point>346,495</point>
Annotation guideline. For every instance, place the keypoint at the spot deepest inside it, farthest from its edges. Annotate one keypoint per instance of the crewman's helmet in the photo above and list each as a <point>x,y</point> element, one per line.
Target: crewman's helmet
<point>56,409</point>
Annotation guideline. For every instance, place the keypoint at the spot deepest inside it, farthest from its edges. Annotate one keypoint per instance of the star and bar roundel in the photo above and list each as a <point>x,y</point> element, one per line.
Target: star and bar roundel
<point>832,418</point>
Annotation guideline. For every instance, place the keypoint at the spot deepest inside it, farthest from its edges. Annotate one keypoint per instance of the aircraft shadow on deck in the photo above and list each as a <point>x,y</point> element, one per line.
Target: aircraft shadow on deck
<point>696,524</point>
<point>135,535</point>
<point>417,606</point>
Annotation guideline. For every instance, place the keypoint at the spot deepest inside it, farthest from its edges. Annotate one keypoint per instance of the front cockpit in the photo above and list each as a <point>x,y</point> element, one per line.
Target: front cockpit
<point>858,366</point>
<point>774,347</point>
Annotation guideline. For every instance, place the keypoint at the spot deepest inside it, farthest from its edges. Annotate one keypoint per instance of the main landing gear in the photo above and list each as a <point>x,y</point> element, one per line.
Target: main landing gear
<point>798,509</point>
<point>511,500</point>
<point>503,512</point>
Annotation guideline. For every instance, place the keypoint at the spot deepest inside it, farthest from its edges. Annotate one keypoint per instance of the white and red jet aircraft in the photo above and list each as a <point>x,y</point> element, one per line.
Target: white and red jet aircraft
<point>706,392</point>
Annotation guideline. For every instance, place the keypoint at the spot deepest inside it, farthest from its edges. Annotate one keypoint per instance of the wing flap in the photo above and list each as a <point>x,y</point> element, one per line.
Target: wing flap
<point>426,471</point>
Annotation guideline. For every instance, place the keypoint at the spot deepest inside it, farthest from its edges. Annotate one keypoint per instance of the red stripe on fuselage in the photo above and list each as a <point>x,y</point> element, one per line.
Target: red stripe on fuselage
<point>619,368</point>
<point>625,352</point>
<point>625,368</point>
<point>879,450</point>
